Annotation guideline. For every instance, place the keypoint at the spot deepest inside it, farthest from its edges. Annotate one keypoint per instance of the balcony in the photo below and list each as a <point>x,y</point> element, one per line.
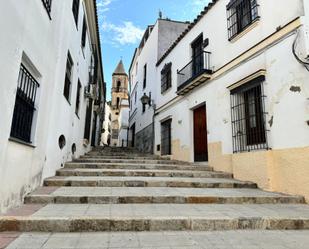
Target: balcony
<point>195,73</point>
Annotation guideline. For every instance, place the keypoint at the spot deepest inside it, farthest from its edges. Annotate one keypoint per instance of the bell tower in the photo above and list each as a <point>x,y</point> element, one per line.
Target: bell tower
<point>119,86</point>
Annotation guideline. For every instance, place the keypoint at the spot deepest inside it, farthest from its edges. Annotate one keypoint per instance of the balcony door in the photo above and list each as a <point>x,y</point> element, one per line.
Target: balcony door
<point>197,56</point>
<point>200,134</point>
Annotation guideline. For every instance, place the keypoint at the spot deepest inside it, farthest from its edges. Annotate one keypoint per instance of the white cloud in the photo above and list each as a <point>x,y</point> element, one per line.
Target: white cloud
<point>103,5</point>
<point>127,33</point>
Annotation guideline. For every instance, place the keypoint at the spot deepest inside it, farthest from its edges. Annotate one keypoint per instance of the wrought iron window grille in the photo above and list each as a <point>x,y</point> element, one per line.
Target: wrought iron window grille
<point>24,105</point>
<point>47,4</point>
<point>166,77</point>
<point>248,117</point>
<point>240,15</point>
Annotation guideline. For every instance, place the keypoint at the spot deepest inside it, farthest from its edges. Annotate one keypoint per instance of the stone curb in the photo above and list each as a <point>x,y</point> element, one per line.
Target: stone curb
<point>139,183</point>
<point>49,199</point>
<point>88,224</point>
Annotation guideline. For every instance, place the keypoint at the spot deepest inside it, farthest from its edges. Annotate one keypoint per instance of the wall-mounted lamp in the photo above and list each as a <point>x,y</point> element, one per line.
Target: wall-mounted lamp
<point>145,99</point>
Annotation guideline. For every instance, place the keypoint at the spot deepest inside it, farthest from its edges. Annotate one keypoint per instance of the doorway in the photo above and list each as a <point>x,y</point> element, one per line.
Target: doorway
<point>133,135</point>
<point>200,134</point>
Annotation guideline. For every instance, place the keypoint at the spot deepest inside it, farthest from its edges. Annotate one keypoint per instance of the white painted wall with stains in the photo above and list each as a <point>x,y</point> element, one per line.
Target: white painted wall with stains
<point>287,108</point>
<point>28,35</point>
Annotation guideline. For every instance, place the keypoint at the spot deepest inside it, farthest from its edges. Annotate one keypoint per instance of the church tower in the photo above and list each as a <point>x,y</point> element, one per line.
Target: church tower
<point>119,86</point>
<point>120,97</point>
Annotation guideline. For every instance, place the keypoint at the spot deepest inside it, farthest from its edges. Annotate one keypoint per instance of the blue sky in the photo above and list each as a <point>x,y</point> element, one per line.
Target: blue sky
<point>122,24</point>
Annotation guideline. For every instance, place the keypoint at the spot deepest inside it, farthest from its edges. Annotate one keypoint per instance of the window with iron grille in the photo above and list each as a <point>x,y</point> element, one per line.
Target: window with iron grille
<point>47,4</point>
<point>248,116</point>
<point>240,14</point>
<point>166,137</point>
<point>84,33</point>
<point>75,10</point>
<point>68,78</point>
<point>77,104</point>
<point>166,77</point>
<point>145,76</point>
<point>24,105</point>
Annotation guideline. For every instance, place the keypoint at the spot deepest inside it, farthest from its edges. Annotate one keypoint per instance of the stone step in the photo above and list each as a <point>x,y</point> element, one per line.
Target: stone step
<point>90,181</point>
<point>241,239</point>
<point>131,161</point>
<point>157,217</point>
<point>142,172</point>
<point>75,165</point>
<point>99,195</point>
<point>142,157</point>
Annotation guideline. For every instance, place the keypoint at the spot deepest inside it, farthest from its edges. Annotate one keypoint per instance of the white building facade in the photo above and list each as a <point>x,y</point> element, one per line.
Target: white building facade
<point>123,121</point>
<point>143,78</point>
<point>233,91</point>
<point>52,90</point>
<point>107,128</point>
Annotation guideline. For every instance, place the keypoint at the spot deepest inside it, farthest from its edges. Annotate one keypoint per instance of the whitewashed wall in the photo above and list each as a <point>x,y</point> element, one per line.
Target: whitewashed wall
<point>27,29</point>
<point>283,71</point>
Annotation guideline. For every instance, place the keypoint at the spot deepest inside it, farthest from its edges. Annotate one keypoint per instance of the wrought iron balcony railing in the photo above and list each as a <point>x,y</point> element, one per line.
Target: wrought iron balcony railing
<point>196,72</point>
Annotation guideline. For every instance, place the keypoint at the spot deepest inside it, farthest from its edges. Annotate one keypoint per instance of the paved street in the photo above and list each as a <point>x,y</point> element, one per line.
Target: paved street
<point>165,240</point>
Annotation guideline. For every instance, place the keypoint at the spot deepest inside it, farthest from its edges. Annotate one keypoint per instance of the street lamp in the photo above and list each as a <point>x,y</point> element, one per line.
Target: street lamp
<point>145,99</point>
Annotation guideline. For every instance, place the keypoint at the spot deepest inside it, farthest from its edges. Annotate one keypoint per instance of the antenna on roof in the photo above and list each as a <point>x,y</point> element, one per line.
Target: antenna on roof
<point>160,14</point>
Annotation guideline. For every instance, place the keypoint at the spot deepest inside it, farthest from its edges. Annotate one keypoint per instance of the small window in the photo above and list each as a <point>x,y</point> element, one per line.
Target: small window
<point>84,33</point>
<point>166,137</point>
<point>118,102</point>
<point>118,86</point>
<point>166,77</point>
<point>77,105</point>
<point>68,78</point>
<point>145,76</point>
<point>240,14</point>
<point>47,4</point>
<point>75,10</point>
<point>24,108</point>
<point>248,116</point>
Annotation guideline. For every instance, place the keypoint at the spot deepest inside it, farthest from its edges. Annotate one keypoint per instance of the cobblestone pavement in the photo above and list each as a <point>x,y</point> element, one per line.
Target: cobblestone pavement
<point>165,240</point>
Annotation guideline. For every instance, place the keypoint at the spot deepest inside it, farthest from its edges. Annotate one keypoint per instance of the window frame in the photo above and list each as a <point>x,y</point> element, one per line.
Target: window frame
<point>145,76</point>
<point>84,33</point>
<point>75,11</point>
<point>166,77</point>
<point>25,106</point>
<point>47,5</point>
<point>68,78</point>
<point>78,95</point>
<point>249,130</point>
<point>236,15</point>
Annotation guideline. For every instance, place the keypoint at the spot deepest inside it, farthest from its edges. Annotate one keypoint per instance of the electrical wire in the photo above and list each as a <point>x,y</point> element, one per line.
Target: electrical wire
<point>304,63</point>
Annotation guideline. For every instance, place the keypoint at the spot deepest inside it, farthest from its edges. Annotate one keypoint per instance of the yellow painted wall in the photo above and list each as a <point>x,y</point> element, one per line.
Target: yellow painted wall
<point>217,160</point>
<point>180,152</point>
<point>285,170</point>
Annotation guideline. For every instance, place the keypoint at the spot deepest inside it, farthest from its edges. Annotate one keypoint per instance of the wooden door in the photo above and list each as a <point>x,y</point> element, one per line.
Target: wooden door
<point>166,137</point>
<point>200,134</point>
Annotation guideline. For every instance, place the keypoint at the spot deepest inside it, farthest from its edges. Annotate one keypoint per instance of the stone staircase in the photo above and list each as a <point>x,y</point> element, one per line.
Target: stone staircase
<point>118,190</point>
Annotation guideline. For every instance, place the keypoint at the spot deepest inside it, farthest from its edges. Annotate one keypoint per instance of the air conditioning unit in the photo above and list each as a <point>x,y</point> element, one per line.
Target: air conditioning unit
<point>89,92</point>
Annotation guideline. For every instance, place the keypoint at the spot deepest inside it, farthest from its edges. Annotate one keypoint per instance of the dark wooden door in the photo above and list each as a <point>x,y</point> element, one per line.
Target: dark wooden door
<point>166,137</point>
<point>200,135</point>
